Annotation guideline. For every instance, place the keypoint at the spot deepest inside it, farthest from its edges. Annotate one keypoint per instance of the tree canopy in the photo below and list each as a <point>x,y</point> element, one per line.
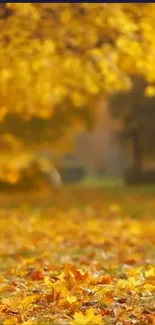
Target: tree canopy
<point>57,54</point>
<point>57,60</point>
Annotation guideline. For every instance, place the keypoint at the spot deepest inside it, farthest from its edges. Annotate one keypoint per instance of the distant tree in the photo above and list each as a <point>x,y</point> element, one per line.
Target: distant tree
<point>137,112</point>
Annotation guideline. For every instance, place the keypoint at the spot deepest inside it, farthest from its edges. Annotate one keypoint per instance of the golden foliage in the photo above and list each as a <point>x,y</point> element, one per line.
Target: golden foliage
<point>50,53</point>
<point>61,57</point>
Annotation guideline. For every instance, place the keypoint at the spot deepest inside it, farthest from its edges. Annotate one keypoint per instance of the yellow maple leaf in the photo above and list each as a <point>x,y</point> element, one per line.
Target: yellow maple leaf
<point>27,301</point>
<point>29,322</point>
<point>6,301</point>
<point>149,287</point>
<point>71,299</point>
<point>150,273</point>
<point>88,319</point>
<point>48,282</point>
<point>127,284</point>
<point>60,287</point>
<point>11,321</point>
<point>105,290</point>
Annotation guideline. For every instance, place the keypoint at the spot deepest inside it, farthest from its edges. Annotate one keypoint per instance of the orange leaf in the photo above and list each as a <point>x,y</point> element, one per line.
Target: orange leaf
<point>37,275</point>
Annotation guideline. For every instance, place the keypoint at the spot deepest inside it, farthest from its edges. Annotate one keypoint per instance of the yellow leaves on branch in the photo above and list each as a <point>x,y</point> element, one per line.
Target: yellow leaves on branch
<point>150,91</point>
<point>50,53</point>
<point>3,112</point>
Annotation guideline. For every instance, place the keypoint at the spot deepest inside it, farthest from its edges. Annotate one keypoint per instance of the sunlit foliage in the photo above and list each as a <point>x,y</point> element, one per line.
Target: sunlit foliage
<point>52,53</point>
<point>57,60</point>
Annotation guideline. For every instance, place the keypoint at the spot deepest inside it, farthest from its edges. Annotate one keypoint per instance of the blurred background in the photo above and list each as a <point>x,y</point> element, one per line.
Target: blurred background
<point>77,94</point>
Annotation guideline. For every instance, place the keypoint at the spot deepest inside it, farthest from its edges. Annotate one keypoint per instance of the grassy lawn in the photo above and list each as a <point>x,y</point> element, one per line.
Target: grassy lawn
<point>83,255</point>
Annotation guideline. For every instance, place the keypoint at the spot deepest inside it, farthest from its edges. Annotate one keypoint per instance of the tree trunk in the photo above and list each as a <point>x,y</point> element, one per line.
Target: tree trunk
<point>137,151</point>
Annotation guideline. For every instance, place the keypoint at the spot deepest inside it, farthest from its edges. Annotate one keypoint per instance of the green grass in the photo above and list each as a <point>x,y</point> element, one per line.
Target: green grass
<point>100,181</point>
<point>134,200</point>
<point>116,185</point>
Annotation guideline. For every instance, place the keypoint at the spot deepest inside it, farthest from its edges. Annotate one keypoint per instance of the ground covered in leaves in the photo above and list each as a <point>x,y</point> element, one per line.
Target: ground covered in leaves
<point>87,260</point>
